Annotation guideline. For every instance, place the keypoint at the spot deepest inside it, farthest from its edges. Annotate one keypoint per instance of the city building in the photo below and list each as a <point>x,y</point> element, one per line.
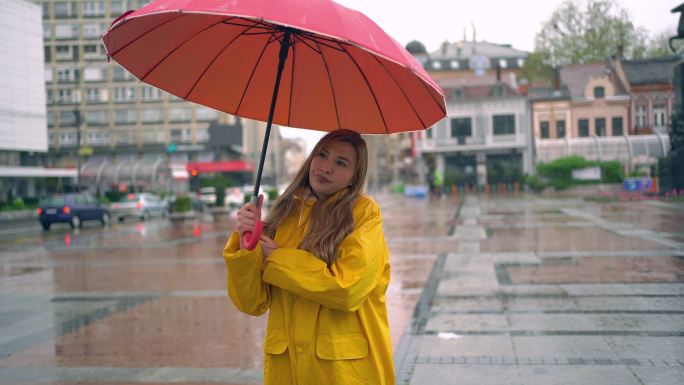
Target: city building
<point>486,137</point>
<point>119,132</point>
<point>23,129</point>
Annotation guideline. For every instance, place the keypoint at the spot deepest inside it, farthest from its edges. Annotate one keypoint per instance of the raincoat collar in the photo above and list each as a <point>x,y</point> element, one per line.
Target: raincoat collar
<point>307,197</point>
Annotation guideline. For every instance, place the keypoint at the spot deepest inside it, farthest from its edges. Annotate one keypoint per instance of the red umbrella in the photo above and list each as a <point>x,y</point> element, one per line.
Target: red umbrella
<point>327,66</point>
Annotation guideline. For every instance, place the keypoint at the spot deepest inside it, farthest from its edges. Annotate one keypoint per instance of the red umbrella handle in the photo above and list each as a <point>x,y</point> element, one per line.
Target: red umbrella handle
<point>251,238</point>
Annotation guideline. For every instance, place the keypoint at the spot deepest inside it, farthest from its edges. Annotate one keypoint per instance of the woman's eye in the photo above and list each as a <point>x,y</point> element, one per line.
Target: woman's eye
<point>341,163</point>
<point>323,155</point>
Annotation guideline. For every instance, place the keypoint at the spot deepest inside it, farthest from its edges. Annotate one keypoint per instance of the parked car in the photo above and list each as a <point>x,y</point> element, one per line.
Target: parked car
<point>73,209</point>
<point>208,195</point>
<point>142,206</point>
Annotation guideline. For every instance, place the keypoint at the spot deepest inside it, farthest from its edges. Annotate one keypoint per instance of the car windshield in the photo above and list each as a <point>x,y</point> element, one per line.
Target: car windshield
<point>130,198</point>
<point>52,201</point>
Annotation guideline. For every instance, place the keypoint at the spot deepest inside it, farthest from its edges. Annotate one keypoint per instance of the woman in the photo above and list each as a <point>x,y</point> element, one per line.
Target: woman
<point>322,269</point>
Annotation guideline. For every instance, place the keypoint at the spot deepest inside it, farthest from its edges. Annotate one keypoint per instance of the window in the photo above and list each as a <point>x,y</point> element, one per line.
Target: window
<point>48,75</point>
<point>503,63</point>
<point>117,7</point>
<point>48,96</point>
<point>92,74</point>
<point>641,117</point>
<point>68,96</point>
<point>125,116</point>
<point>65,75</point>
<point>67,118</point>
<point>600,126</point>
<point>204,114</point>
<point>583,125</point>
<point>93,8</point>
<point>454,64</point>
<point>461,128</point>
<point>150,93</point>
<point>50,118</point>
<point>521,62</point>
<point>90,50</point>
<point>123,94</point>
<point>428,133</point>
<point>65,9</point>
<point>47,31</point>
<point>151,115</point>
<point>176,134</point>
<point>659,115</point>
<point>91,30</point>
<point>119,74</point>
<point>46,10</point>
<point>436,65</point>
<point>504,124</point>
<point>544,127</point>
<point>180,114</point>
<point>63,52</point>
<point>93,137</point>
<point>97,117</point>
<point>560,128</point>
<point>66,31</point>
<point>617,126</point>
<point>459,93</point>
<point>599,92</point>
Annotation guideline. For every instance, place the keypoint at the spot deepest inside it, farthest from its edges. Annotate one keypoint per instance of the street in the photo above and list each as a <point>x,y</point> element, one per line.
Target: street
<point>486,289</point>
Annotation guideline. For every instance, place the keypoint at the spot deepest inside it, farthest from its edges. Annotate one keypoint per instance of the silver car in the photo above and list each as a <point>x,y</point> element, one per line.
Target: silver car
<point>142,206</point>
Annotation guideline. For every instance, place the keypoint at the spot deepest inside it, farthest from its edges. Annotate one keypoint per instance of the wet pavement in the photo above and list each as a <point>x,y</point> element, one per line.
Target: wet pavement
<point>485,290</point>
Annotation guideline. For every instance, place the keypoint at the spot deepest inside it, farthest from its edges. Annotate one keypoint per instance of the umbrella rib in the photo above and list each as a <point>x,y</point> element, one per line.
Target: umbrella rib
<point>319,40</point>
<point>144,34</point>
<point>332,88</point>
<point>369,87</point>
<point>402,91</point>
<point>315,49</point>
<point>214,60</point>
<point>251,76</point>
<point>176,48</point>
<point>292,82</point>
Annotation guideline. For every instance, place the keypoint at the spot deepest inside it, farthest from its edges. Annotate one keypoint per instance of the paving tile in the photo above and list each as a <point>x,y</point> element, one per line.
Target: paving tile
<point>659,375</point>
<point>467,322</point>
<point>577,375</point>
<point>466,374</point>
<point>451,345</point>
<point>647,347</point>
<point>563,346</point>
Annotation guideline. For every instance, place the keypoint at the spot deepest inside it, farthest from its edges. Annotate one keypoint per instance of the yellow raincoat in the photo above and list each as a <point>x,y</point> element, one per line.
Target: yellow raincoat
<point>325,325</point>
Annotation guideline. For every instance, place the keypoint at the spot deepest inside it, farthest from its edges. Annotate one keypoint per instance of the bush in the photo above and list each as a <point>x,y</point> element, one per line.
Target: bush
<point>18,204</point>
<point>114,195</point>
<point>559,172</point>
<point>272,194</point>
<point>535,183</point>
<point>183,203</point>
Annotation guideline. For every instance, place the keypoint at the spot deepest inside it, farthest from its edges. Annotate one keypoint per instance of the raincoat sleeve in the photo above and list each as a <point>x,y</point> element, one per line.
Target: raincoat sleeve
<point>245,288</point>
<point>349,280</point>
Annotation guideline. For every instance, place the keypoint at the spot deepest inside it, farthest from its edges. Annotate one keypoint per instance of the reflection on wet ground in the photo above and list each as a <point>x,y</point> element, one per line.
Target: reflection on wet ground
<point>146,302</point>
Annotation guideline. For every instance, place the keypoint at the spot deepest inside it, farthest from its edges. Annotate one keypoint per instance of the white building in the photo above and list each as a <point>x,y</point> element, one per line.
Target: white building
<point>23,124</point>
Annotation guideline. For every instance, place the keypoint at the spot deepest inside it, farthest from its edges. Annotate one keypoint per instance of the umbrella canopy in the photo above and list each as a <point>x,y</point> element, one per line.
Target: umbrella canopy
<point>341,70</point>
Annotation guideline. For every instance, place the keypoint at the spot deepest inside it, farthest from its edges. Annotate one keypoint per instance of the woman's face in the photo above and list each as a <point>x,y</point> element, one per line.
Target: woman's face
<point>332,169</point>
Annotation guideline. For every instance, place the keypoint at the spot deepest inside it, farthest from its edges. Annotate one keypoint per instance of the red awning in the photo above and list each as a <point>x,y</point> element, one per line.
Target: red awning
<point>221,166</point>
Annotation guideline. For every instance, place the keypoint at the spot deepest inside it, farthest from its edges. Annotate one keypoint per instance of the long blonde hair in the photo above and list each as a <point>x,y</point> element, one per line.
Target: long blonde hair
<point>330,221</point>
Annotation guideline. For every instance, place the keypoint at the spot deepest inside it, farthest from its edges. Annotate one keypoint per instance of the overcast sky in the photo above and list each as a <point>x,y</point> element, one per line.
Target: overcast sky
<point>498,21</point>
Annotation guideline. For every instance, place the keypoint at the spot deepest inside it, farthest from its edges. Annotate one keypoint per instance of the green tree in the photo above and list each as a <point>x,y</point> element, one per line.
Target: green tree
<point>536,68</point>
<point>587,32</point>
<point>658,45</point>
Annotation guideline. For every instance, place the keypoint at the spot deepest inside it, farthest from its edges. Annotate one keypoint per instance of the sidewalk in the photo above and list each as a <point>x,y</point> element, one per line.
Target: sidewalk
<point>547,291</point>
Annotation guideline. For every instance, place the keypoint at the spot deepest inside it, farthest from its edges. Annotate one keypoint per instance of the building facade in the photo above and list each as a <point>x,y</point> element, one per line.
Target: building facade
<point>23,132</point>
<point>100,117</point>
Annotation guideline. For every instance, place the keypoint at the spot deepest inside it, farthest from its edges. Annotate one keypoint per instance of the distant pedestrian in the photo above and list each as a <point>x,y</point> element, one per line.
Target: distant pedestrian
<point>438,182</point>
<point>321,269</point>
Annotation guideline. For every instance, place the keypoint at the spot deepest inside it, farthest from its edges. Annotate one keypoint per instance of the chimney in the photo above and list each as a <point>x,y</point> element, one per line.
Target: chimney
<point>556,79</point>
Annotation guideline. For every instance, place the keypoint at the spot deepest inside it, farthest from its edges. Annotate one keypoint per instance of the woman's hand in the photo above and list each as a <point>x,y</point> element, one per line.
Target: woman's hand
<point>268,245</point>
<point>246,218</point>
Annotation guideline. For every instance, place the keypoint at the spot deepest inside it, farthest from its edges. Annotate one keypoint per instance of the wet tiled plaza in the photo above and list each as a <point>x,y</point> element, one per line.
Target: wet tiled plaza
<point>509,289</point>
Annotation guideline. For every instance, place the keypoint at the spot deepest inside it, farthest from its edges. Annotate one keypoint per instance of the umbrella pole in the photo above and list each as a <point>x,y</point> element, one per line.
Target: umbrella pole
<point>250,239</point>
<point>284,49</point>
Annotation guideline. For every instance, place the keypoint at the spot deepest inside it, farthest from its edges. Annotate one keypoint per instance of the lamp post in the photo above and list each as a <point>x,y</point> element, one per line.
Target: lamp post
<point>77,119</point>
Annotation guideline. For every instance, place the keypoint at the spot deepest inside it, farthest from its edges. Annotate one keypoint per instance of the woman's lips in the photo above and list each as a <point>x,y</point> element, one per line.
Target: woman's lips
<point>321,179</point>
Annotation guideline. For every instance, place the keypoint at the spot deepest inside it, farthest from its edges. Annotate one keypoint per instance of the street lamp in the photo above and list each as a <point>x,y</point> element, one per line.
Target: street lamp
<point>78,120</point>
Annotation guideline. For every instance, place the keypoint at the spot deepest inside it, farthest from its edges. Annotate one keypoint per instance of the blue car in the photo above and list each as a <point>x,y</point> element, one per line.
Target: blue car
<point>73,209</point>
